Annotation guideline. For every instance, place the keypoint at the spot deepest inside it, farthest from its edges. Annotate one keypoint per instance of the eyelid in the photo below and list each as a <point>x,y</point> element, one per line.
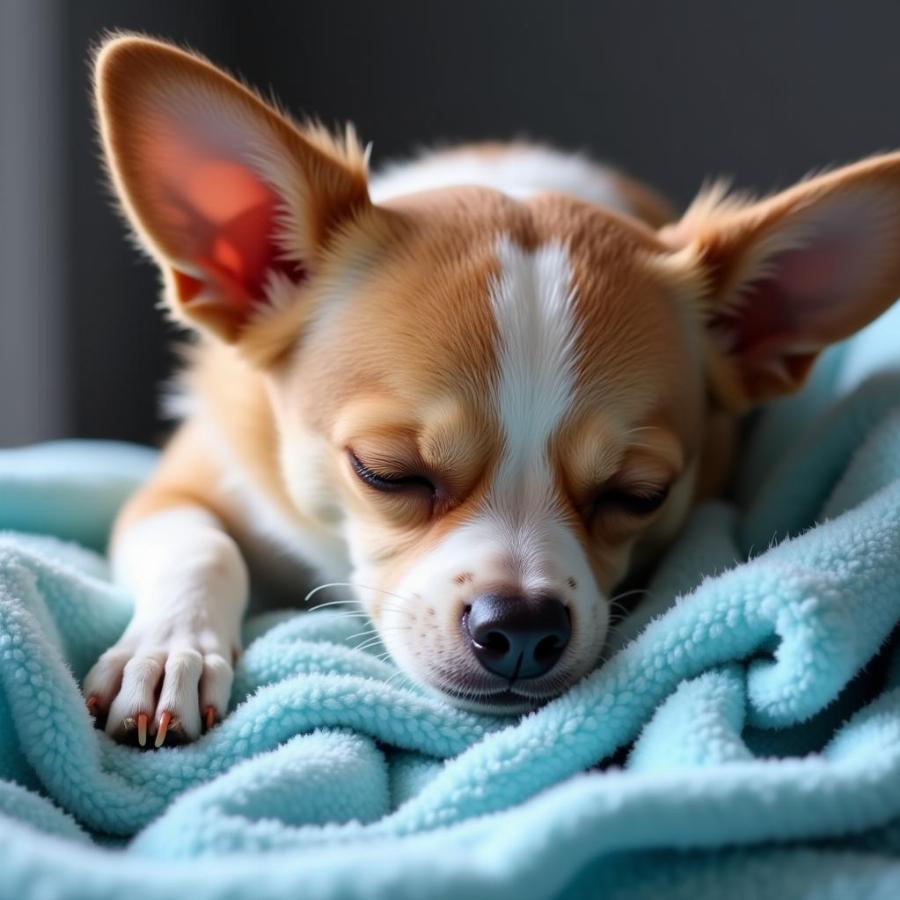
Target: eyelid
<point>642,468</point>
<point>640,488</point>
<point>656,473</point>
<point>399,481</point>
<point>372,469</point>
<point>628,500</point>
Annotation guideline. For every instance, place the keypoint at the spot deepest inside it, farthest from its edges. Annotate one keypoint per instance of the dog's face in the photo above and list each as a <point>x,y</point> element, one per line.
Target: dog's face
<point>505,398</point>
<point>499,404</point>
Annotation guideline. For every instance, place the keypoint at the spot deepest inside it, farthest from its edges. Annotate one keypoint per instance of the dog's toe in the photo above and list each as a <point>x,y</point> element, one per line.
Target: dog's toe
<point>179,699</point>
<point>134,706</point>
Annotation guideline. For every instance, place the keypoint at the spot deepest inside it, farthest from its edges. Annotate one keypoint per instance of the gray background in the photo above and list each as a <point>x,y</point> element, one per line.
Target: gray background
<point>674,92</point>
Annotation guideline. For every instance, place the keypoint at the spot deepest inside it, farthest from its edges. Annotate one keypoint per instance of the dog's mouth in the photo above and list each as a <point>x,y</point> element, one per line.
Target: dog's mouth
<point>487,693</point>
<point>507,701</point>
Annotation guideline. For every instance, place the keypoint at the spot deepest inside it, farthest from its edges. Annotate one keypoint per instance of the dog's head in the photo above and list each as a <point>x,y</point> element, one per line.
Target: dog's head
<point>498,404</point>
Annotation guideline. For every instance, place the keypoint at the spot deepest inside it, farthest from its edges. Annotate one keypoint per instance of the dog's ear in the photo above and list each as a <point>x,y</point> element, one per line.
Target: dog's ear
<point>786,276</point>
<point>227,195</point>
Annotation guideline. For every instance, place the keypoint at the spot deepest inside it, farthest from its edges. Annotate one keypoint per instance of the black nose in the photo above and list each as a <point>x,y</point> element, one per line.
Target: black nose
<point>517,637</point>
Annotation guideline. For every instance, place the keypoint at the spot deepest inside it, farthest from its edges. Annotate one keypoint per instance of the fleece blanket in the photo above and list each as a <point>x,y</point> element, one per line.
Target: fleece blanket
<point>742,739</point>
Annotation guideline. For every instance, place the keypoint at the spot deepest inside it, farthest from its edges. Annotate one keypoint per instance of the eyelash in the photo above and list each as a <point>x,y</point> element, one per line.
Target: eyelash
<point>389,483</point>
<point>633,503</point>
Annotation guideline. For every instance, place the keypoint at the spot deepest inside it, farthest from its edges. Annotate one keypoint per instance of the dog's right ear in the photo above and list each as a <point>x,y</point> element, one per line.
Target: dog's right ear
<point>233,200</point>
<point>786,276</point>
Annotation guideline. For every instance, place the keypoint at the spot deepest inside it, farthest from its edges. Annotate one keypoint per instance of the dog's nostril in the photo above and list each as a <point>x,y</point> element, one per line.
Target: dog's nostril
<point>548,647</point>
<point>517,637</point>
<point>496,641</point>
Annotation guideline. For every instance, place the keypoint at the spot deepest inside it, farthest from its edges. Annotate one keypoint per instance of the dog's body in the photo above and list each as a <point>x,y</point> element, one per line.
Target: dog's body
<point>477,389</point>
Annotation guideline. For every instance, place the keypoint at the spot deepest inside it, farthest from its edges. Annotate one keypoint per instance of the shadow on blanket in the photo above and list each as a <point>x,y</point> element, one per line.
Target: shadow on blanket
<point>744,693</point>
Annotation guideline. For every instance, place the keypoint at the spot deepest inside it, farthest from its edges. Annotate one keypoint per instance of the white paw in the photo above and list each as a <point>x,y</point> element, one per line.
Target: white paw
<point>161,682</point>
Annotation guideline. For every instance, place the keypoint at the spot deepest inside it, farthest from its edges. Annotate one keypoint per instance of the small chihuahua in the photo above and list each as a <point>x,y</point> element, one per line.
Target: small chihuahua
<point>480,388</point>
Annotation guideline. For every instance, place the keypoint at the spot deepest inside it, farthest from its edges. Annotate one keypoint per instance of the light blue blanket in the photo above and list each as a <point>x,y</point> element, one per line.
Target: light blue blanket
<point>743,742</point>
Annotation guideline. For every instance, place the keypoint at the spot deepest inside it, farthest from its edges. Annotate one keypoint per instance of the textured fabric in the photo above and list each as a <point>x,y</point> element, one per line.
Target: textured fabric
<point>743,740</point>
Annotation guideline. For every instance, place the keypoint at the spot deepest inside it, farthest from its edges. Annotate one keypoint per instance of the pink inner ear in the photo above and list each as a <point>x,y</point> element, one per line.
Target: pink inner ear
<point>227,217</point>
<point>787,306</point>
<point>817,273</point>
<point>810,292</point>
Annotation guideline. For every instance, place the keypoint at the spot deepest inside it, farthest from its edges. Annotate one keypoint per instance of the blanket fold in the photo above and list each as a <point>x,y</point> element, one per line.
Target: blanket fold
<point>745,731</point>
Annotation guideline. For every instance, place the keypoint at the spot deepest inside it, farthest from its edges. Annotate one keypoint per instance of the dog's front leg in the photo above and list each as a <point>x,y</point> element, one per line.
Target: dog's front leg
<point>171,671</point>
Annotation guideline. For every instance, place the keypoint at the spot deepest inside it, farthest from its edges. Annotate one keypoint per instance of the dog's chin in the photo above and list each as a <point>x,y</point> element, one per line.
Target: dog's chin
<point>499,703</point>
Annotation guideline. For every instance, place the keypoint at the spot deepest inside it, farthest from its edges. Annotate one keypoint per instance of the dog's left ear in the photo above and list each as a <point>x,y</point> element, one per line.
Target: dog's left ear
<point>786,276</point>
<point>229,196</point>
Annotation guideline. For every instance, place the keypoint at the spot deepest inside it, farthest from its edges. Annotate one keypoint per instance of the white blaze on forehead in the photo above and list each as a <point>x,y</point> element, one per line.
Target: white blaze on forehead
<point>532,299</point>
<point>533,304</point>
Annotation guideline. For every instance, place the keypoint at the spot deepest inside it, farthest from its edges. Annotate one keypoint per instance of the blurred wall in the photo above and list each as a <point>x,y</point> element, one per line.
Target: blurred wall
<point>674,92</point>
<point>33,358</point>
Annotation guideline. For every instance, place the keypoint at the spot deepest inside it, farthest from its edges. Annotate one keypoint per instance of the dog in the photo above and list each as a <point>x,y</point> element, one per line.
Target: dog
<point>480,389</point>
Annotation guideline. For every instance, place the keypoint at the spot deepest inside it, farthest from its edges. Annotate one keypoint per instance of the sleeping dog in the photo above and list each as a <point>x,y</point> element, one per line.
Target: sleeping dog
<point>478,389</point>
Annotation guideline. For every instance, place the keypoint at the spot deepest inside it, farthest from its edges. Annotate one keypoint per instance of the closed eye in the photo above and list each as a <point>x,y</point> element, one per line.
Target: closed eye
<point>390,482</point>
<point>636,502</point>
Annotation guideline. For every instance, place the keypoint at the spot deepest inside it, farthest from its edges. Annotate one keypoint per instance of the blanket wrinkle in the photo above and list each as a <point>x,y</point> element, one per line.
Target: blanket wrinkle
<point>751,705</point>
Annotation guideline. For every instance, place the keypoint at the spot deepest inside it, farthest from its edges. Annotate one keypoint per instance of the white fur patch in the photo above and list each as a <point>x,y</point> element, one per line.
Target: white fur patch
<point>532,302</point>
<point>519,172</point>
<point>189,584</point>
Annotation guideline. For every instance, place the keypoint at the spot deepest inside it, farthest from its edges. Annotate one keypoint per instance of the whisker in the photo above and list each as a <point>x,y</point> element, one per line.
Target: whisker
<point>360,634</point>
<point>616,606</point>
<point>381,630</point>
<point>404,677</point>
<point>365,645</point>
<point>353,602</point>
<point>357,609</point>
<point>341,615</point>
<point>323,587</point>
<point>351,585</point>
<point>631,593</point>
